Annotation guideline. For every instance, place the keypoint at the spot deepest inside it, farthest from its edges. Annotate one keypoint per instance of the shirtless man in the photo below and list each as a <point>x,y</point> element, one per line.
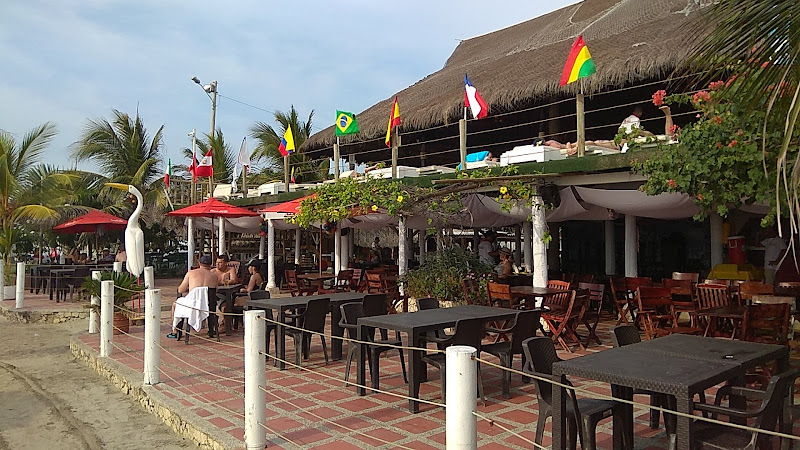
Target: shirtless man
<point>225,274</point>
<point>199,277</point>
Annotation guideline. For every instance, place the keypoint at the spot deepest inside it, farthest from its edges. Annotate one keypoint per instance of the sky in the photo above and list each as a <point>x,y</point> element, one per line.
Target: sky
<point>68,62</point>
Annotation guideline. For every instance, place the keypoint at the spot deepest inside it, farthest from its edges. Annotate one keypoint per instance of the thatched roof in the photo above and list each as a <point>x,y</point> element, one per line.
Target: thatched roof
<point>629,40</point>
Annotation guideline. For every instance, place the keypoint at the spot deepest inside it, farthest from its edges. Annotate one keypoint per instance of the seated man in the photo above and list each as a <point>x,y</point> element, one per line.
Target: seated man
<point>106,257</point>
<point>200,277</point>
<point>226,275</point>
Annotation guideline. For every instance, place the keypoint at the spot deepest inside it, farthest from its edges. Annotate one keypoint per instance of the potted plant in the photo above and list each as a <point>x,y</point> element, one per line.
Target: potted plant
<point>9,280</point>
<point>441,275</point>
<point>125,287</point>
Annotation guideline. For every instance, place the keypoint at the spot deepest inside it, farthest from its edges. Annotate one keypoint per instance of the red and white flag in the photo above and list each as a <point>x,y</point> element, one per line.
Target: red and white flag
<point>474,100</point>
<point>193,168</point>
<point>206,166</point>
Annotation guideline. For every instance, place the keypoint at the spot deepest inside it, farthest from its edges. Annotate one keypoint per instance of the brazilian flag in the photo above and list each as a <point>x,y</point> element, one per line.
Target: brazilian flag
<point>345,123</point>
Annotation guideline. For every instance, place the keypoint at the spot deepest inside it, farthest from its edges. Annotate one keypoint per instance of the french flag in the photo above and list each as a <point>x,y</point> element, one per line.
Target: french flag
<point>474,100</point>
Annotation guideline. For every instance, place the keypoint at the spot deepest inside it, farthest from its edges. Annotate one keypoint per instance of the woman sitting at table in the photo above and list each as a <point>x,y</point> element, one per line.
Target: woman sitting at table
<point>506,267</point>
<point>240,298</point>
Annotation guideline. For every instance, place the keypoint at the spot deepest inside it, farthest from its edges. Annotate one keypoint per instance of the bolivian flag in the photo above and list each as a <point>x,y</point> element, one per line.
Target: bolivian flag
<point>346,123</point>
<point>579,63</point>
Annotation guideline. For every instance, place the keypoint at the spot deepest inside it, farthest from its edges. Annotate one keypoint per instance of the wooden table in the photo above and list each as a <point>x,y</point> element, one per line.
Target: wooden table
<point>281,305</point>
<point>678,365</point>
<point>316,278</point>
<point>228,293</point>
<point>57,277</point>
<point>415,324</point>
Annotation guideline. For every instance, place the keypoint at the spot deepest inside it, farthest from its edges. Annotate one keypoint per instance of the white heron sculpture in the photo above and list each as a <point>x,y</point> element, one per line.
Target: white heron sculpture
<point>134,237</point>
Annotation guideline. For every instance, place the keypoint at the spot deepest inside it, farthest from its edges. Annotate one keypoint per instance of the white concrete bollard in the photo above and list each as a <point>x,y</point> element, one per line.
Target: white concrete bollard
<point>106,316</point>
<point>20,285</point>
<point>149,277</point>
<point>117,267</point>
<point>152,334</point>
<point>95,301</point>
<point>461,424</point>
<point>255,377</point>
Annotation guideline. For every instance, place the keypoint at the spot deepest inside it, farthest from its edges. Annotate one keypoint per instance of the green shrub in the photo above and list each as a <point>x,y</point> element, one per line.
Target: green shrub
<point>441,275</point>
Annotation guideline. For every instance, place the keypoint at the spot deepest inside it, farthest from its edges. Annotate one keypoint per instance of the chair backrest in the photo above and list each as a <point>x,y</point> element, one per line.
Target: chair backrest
<point>355,280</point>
<point>375,305</point>
<point>686,276</point>
<point>767,323</point>
<point>558,284</point>
<point>679,287</point>
<point>583,278</point>
<point>259,295</point>
<point>499,292</point>
<point>351,312</point>
<point>771,408</point>
<point>375,281</point>
<point>725,283</point>
<point>315,313</point>
<point>653,298</point>
<point>468,332</point>
<point>344,279</point>
<point>636,282</point>
<point>291,278</point>
<point>747,289</point>
<point>541,355</point>
<point>623,335</point>
<point>712,296</point>
<point>525,325</point>
<point>236,265</point>
<point>263,286</point>
<point>619,288</point>
<point>560,300</point>
<point>427,303</point>
<point>471,292</point>
<point>596,293</point>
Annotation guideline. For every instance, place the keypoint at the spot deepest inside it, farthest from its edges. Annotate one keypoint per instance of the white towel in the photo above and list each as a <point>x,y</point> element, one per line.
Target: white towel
<point>193,307</point>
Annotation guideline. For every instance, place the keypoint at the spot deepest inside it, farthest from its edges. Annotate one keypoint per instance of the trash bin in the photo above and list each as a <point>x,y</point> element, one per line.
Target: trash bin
<point>736,249</point>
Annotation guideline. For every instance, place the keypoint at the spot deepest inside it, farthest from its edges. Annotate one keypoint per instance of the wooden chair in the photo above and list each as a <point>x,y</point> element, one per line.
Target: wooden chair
<point>619,293</point>
<point>342,282</point>
<point>562,317</point>
<point>747,289</point>
<point>583,278</point>
<point>594,306</point>
<point>711,296</point>
<point>296,286</point>
<point>682,295</point>
<point>658,313</point>
<point>358,283</point>
<point>375,282</point>
<point>471,292</point>
<point>694,277</point>
<point>500,295</point>
<point>717,282</point>
<point>767,323</point>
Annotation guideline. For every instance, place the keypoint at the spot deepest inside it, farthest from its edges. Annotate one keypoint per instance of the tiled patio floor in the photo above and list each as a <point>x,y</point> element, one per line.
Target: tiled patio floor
<point>314,409</point>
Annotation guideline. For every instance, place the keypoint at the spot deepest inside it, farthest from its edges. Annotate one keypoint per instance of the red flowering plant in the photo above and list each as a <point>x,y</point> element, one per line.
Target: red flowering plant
<point>718,160</point>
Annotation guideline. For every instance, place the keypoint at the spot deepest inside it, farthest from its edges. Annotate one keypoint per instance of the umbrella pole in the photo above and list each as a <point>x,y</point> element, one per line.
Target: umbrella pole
<point>320,251</point>
<point>213,252</point>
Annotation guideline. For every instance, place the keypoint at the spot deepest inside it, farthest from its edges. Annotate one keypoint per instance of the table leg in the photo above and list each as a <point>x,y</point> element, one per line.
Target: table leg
<point>50,285</point>
<point>361,351</point>
<point>683,429</point>
<point>228,309</point>
<point>622,418</point>
<point>280,339</point>
<point>559,419</point>
<point>337,331</point>
<point>414,374</point>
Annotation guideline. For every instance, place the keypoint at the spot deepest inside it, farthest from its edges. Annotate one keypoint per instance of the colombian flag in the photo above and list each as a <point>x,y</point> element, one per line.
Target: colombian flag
<point>579,63</point>
<point>287,143</point>
<point>394,120</point>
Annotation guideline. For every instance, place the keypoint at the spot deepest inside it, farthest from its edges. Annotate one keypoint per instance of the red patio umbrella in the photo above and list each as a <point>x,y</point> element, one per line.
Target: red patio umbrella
<point>212,208</point>
<point>290,207</point>
<point>95,221</point>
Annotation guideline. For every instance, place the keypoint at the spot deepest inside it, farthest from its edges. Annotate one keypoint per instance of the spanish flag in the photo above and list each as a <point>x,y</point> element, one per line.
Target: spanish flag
<point>287,143</point>
<point>579,63</point>
<point>394,120</point>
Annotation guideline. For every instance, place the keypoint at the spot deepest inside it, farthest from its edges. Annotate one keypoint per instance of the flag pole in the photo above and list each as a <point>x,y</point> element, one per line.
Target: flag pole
<point>194,152</point>
<point>395,142</point>
<point>244,181</point>
<point>581,125</point>
<point>462,139</point>
<point>286,171</point>
<point>336,159</point>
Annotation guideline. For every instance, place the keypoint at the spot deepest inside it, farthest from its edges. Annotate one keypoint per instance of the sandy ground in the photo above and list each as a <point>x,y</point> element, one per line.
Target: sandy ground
<point>50,400</point>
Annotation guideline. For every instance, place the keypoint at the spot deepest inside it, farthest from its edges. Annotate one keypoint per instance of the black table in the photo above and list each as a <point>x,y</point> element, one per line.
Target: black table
<point>415,324</point>
<point>284,304</point>
<point>228,294</point>
<point>678,365</point>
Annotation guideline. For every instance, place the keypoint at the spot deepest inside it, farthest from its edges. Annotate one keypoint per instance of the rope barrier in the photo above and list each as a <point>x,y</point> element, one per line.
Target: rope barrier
<point>492,422</point>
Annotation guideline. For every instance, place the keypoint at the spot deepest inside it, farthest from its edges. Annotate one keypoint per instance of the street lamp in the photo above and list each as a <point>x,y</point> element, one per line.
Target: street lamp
<point>211,92</point>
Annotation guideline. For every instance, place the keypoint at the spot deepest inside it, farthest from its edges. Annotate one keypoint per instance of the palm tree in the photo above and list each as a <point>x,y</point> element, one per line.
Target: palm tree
<point>125,153</point>
<point>29,191</point>
<point>760,41</point>
<point>268,141</point>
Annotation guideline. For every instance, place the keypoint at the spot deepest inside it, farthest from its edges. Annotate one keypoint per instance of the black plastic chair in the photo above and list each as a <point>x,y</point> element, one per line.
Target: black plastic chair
<point>312,319</point>
<point>467,332</point>
<point>376,305</point>
<point>351,312</point>
<point>182,329</point>
<point>525,325</point>
<point>427,303</point>
<point>623,335</point>
<point>272,327</point>
<point>583,414</point>
<point>767,416</point>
